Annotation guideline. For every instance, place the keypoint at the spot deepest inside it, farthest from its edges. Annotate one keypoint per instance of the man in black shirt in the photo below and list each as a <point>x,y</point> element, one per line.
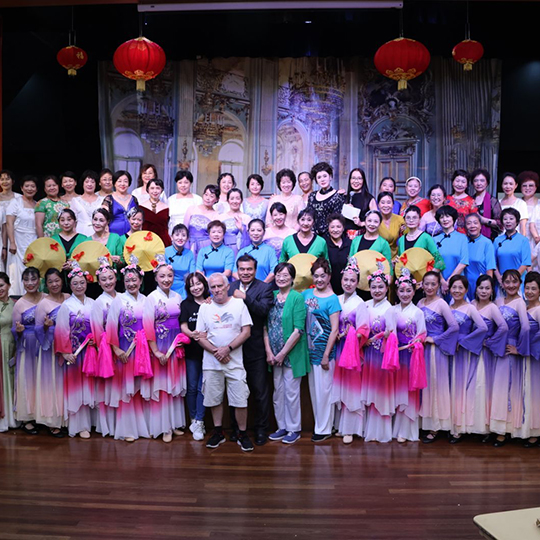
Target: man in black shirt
<point>258,297</point>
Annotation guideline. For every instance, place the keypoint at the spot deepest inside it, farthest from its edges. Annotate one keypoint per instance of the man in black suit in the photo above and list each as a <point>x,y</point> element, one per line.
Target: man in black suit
<point>258,297</point>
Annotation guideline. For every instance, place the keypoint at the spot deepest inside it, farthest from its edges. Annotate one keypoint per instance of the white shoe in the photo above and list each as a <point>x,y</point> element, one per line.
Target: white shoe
<point>198,431</point>
<point>347,439</point>
<point>167,437</point>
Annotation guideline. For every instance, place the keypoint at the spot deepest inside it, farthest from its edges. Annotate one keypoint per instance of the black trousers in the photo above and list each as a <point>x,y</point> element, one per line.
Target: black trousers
<point>259,390</point>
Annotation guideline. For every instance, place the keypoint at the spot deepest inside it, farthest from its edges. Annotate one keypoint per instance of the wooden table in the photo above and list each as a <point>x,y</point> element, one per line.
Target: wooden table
<point>513,525</point>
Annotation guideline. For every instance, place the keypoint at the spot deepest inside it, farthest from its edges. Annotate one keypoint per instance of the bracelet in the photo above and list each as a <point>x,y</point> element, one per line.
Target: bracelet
<point>230,349</point>
<point>4,248</point>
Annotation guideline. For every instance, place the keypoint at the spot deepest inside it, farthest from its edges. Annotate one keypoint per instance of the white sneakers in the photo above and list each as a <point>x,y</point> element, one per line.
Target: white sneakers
<point>197,428</point>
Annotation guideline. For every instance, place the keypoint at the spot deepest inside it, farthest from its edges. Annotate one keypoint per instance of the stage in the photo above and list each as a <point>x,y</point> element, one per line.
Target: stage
<point>101,488</point>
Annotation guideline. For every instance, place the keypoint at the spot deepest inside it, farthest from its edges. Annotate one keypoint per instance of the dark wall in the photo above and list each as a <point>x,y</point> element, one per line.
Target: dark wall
<point>50,120</point>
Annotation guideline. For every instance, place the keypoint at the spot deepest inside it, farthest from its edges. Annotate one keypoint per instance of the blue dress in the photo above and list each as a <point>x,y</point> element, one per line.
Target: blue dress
<point>481,259</point>
<point>454,250</point>
<point>512,252</point>
<point>211,260</point>
<point>183,263</point>
<point>318,326</point>
<point>119,223</point>
<point>265,256</point>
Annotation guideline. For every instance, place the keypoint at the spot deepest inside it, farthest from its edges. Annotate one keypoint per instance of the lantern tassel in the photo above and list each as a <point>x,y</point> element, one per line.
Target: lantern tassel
<point>72,72</point>
<point>402,84</point>
<point>141,86</point>
<point>467,66</point>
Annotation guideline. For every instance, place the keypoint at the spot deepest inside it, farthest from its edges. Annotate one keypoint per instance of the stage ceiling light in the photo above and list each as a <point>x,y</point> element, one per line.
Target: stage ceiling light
<point>270,5</point>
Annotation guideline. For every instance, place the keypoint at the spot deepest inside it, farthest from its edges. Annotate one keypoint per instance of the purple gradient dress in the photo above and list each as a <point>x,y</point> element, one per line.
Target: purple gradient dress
<point>26,344</point>
<point>347,382</point>
<point>164,407</point>
<point>234,238</point>
<point>443,328</point>
<point>507,404</point>
<point>377,391</point>
<point>72,328</point>
<point>481,371</point>
<point>472,332</point>
<point>50,376</point>
<point>198,235</point>
<point>531,421</point>
<point>410,324</point>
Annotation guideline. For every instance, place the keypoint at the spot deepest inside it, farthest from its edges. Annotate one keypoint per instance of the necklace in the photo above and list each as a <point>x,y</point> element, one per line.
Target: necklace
<point>154,205</point>
<point>325,191</point>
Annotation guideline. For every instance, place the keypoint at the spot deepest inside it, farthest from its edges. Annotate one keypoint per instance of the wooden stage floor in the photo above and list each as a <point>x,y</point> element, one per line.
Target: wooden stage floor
<point>101,488</point>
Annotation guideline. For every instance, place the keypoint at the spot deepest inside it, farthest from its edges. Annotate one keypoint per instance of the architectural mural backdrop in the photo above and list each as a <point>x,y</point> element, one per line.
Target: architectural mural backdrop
<point>258,115</point>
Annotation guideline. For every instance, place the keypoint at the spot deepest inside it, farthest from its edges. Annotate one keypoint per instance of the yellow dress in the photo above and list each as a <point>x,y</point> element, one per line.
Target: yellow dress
<point>391,233</point>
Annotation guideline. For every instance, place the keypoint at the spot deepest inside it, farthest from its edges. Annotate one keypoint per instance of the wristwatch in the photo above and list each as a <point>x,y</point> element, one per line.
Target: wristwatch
<point>230,349</point>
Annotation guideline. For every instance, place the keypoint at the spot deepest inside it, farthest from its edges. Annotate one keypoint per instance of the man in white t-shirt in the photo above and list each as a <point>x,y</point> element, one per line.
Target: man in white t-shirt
<point>226,324</point>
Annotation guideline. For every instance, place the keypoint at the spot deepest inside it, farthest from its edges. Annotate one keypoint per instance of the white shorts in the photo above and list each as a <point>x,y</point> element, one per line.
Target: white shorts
<point>215,381</point>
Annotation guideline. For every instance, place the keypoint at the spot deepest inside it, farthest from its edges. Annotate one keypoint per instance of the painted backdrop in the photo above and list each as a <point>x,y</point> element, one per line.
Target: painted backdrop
<point>258,115</point>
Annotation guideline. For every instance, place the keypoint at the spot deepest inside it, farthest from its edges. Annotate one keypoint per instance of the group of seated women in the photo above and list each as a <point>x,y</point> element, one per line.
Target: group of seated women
<point>444,357</point>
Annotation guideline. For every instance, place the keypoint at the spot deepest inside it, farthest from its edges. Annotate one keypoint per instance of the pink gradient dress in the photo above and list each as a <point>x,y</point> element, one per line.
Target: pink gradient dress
<point>72,328</point>
<point>410,325</point>
<point>124,320</point>
<point>346,388</point>
<point>106,417</point>
<point>164,409</point>
<point>377,392</point>
<point>50,375</point>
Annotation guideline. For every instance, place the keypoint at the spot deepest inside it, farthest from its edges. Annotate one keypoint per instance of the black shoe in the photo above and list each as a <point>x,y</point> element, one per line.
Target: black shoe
<point>455,440</point>
<point>320,438</point>
<point>529,444</point>
<point>487,438</point>
<point>31,431</point>
<point>244,442</point>
<point>59,433</point>
<point>215,440</point>
<point>261,438</point>
<point>235,435</point>
<point>498,444</point>
<point>431,437</point>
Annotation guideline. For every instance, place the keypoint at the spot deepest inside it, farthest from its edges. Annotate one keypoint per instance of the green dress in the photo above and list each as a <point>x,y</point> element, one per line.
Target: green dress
<point>51,210</point>
<point>8,373</point>
<point>424,241</point>
<point>380,245</point>
<point>79,239</point>
<point>319,248</point>
<point>115,245</point>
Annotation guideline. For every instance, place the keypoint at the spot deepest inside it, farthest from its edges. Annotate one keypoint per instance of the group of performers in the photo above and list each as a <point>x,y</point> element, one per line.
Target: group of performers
<point>409,320</point>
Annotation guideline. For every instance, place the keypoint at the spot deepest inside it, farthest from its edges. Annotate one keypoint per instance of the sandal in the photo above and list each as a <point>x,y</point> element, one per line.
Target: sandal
<point>56,432</point>
<point>30,430</point>
<point>431,437</point>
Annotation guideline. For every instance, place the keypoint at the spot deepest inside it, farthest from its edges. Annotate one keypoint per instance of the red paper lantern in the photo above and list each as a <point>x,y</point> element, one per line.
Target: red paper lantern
<point>72,58</point>
<point>402,59</point>
<point>468,52</point>
<point>140,60</point>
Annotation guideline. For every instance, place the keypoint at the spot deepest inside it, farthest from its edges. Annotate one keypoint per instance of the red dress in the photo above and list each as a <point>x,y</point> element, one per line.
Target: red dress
<point>423,204</point>
<point>464,206</point>
<point>158,223</point>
